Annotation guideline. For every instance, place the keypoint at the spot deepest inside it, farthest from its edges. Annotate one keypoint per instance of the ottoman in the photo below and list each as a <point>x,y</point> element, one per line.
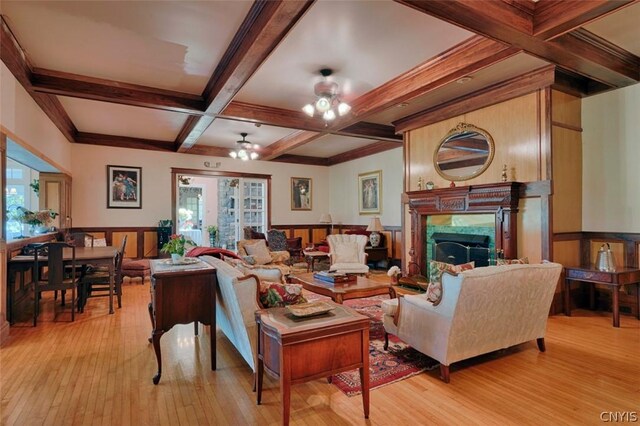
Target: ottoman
<point>136,268</point>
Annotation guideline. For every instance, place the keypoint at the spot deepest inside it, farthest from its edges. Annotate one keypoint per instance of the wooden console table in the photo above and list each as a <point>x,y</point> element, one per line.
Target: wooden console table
<point>616,279</point>
<point>181,294</point>
<point>376,254</point>
<point>297,350</point>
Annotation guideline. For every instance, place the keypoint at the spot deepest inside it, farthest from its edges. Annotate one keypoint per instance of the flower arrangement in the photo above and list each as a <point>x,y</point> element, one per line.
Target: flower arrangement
<point>177,245</point>
<point>393,272</point>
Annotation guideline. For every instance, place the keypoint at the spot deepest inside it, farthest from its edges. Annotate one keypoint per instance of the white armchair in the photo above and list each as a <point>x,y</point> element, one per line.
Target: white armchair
<point>347,253</point>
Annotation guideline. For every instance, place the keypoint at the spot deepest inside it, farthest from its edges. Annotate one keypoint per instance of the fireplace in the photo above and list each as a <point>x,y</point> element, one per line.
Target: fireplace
<point>458,248</point>
<point>499,199</point>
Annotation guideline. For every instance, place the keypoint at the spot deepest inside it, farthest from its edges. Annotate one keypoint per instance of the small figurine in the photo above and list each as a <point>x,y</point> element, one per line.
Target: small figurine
<point>420,181</point>
<point>504,173</point>
<point>452,184</point>
<point>430,185</point>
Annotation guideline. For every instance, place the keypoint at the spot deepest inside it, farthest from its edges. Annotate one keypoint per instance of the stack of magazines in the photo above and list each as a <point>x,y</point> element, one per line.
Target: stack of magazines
<point>333,277</point>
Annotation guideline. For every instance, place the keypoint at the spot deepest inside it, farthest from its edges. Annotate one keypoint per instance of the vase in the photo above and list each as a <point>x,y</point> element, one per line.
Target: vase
<point>177,258</point>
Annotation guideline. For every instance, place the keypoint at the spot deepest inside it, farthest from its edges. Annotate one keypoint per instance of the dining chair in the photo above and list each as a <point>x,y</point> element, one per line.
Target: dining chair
<point>81,239</point>
<point>96,283</point>
<point>51,257</point>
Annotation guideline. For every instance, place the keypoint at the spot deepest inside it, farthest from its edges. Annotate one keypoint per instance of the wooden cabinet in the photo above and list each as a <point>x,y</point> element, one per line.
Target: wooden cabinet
<point>55,194</point>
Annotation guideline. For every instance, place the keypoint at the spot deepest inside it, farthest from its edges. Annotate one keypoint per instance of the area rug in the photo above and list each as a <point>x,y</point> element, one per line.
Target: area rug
<point>385,367</point>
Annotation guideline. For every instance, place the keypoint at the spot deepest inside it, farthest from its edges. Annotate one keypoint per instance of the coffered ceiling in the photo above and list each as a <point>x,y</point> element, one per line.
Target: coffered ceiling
<point>190,76</point>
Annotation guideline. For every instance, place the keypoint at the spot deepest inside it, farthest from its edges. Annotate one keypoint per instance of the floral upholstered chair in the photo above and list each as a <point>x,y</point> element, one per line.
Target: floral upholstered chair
<point>256,252</point>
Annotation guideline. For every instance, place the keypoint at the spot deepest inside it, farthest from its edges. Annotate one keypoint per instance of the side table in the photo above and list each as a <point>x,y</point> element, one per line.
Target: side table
<point>297,350</point>
<point>312,256</point>
<point>181,294</point>
<point>616,279</point>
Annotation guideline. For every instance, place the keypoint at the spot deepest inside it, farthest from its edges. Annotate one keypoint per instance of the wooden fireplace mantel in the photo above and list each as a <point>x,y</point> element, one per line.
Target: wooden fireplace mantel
<point>501,199</point>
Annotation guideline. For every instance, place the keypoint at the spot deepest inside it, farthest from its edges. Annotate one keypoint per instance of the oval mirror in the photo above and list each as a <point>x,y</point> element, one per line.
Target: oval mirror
<point>465,152</point>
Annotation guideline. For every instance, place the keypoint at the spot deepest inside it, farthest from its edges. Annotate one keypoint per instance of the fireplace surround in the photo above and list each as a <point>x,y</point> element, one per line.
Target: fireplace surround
<point>500,199</point>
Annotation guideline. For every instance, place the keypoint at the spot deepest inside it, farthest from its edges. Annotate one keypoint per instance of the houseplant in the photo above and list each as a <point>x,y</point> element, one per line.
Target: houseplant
<point>40,219</point>
<point>213,235</point>
<point>176,247</point>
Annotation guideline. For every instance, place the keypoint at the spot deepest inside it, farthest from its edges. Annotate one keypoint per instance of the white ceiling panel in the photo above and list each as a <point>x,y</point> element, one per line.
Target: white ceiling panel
<point>225,133</point>
<point>621,28</point>
<point>172,45</point>
<point>123,120</point>
<point>366,43</point>
<point>330,145</point>
<point>509,68</point>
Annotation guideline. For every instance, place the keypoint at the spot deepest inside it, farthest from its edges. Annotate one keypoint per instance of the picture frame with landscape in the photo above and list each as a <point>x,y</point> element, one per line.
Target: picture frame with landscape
<point>124,187</point>
<point>370,192</point>
<point>301,193</point>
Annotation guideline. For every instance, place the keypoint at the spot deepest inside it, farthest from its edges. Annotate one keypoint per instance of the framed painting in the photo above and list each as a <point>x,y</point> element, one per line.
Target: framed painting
<point>370,192</point>
<point>301,193</point>
<point>124,187</point>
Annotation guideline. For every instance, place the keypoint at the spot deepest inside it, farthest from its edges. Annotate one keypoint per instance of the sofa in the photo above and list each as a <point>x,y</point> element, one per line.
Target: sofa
<point>236,304</point>
<point>482,310</point>
<point>253,250</point>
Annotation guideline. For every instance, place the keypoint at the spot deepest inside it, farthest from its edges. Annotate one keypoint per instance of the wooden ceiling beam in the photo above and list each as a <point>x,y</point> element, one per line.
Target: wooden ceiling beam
<point>354,154</point>
<point>288,143</point>
<point>124,142</point>
<point>488,96</point>
<point>96,89</point>
<point>263,28</point>
<point>281,117</point>
<point>302,159</point>
<point>499,21</point>
<point>14,58</point>
<point>472,55</point>
<point>553,18</point>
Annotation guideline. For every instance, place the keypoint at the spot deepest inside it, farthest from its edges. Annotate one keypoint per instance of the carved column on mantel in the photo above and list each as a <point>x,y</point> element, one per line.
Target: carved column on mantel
<point>501,199</point>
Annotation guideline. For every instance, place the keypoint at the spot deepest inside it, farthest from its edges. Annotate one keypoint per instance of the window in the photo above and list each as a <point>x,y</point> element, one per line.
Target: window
<point>18,193</point>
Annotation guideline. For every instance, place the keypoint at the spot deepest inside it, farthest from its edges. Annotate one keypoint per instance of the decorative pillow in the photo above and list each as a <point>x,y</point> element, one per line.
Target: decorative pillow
<point>249,259</point>
<point>521,261</point>
<point>274,294</point>
<point>99,242</point>
<point>259,251</point>
<point>436,269</point>
<point>346,252</point>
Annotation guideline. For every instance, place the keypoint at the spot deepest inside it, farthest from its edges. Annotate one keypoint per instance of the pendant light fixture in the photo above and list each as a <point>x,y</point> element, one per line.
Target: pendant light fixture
<point>328,103</point>
<point>246,150</point>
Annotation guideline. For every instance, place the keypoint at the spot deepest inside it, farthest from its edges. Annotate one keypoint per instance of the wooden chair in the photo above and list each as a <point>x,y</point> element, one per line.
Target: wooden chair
<point>96,283</point>
<point>55,278</point>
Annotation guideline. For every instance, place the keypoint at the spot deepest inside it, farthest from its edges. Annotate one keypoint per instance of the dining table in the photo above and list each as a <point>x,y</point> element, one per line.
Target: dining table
<point>96,256</point>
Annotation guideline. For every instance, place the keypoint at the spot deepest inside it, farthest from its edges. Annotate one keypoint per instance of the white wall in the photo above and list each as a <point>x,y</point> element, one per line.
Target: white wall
<point>90,185</point>
<point>28,125</point>
<point>611,161</point>
<point>344,188</point>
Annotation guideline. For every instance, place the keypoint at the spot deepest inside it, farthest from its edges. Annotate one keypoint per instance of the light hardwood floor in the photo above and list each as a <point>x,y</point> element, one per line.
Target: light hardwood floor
<point>98,370</point>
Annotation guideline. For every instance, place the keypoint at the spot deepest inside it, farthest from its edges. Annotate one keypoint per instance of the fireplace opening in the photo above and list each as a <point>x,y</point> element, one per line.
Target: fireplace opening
<point>461,248</point>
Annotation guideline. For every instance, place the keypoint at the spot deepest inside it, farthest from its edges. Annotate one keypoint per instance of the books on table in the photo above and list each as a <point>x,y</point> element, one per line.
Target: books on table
<point>334,277</point>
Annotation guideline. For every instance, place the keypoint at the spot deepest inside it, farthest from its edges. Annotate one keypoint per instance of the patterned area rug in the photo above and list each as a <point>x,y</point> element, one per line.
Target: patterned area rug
<point>385,367</point>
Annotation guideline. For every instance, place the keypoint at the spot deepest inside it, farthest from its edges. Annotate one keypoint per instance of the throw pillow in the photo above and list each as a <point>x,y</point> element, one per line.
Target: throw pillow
<point>99,242</point>
<point>259,251</point>
<point>346,252</point>
<point>249,259</point>
<point>436,269</point>
<point>521,261</point>
<point>274,294</point>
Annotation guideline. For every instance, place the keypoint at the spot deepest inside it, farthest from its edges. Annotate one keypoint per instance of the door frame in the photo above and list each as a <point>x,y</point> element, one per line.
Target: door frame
<point>175,171</point>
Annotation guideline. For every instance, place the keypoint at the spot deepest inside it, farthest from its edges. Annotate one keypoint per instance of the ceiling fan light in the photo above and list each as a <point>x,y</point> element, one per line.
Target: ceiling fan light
<point>242,154</point>
<point>309,110</point>
<point>256,146</point>
<point>254,155</point>
<point>343,108</point>
<point>329,115</point>
<point>233,154</point>
<point>323,104</point>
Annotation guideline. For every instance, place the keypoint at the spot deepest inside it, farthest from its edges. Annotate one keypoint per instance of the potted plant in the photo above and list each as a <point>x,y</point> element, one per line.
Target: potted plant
<point>213,235</point>
<point>176,247</point>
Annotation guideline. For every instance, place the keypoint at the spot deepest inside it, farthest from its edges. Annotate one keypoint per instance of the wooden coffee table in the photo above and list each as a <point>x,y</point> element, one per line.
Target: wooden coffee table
<point>339,292</point>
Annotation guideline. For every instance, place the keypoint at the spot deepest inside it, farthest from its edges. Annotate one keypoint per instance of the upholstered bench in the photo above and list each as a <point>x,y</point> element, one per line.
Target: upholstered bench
<point>136,268</point>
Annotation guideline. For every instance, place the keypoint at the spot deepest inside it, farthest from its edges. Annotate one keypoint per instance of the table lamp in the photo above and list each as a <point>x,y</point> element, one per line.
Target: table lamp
<point>375,227</point>
<point>326,218</point>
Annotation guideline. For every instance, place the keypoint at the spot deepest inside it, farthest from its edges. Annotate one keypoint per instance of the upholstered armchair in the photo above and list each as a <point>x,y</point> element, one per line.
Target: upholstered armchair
<point>347,253</point>
<point>256,252</point>
<point>278,241</point>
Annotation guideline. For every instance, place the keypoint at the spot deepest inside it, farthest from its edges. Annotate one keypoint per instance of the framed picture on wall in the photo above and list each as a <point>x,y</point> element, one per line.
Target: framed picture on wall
<point>370,192</point>
<point>124,187</point>
<point>301,193</point>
